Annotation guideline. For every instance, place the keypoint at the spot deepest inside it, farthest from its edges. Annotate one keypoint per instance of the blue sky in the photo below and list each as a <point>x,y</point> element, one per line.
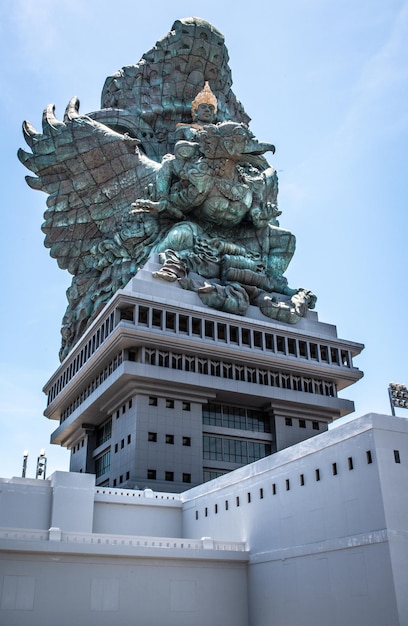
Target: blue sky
<point>326,81</point>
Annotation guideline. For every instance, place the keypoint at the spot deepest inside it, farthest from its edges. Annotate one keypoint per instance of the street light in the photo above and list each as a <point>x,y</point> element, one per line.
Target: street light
<point>41,465</point>
<point>25,458</point>
<point>398,395</point>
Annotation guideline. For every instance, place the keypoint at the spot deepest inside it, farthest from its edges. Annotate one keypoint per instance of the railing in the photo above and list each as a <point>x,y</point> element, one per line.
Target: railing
<point>129,541</point>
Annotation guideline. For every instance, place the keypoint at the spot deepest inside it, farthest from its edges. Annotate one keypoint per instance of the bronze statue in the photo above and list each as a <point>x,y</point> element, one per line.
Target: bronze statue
<point>139,177</point>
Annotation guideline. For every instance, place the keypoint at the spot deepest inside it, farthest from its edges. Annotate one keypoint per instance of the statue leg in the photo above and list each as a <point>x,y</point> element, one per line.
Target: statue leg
<point>281,247</point>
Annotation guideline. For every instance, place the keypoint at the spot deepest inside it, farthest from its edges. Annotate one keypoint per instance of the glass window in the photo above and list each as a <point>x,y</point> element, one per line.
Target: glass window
<point>102,464</point>
<point>170,321</point>
<point>143,316</point>
<point>104,433</point>
<point>183,323</point>
<point>196,326</point>
<point>157,315</point>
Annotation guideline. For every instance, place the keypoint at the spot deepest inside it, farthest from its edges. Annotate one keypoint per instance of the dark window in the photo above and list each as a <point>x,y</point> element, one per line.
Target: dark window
<point>287,484</point>
<point>116,447</point>
<point>302,423</point>
<point>317,472</point>
<point>206,512</point>
<point>257,339</point>
<point>143,315</point>
<point>246,337</point>
<point>233,333</point>
<point>369,457</point>
<point>334,469</point>
<point>152,401</point>
<point>183,323</point>
<point>127,475</point>
<point>280,344</point>
<point>186,406</point>
<point>303,349</point>
<point>221,332</point>
<point>129,439</point>
<point>196,514</point>
<point>209,329</point>
<point>186,441</point>
<point>216,508</point>
<point>237,500</point>
<point>169,404</point>
<point>274,489</point>
<point>350,463</point>
<point>196,326</point>
<point>292,346</point>
<point>122,443</point>
<point>288,421</point>
<point>152,436</point>
<point>157,318</point>
<point>226,505</point>
<point>186,478</point>
<point>316,425</point>
<point>169,476</point>
<point>324,353</point>
<point>121,479</point>
<point>249,497</point>
<point>151,474</point>
<point>269,342</point>
<point>302,480</point>
<point>261,493</point>
<point>334,355</point>
<point>170,320</point>
<point>397,458</point>
<point>169,438</point>
<point>313,351</point>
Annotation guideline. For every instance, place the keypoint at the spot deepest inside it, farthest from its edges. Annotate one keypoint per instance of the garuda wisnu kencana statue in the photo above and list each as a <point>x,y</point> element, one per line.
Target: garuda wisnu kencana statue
<point>167,166</point>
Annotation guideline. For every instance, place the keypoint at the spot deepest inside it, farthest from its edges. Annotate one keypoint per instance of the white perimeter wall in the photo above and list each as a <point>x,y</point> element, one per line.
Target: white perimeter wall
<point>326,523</point>
<point>66,590</point>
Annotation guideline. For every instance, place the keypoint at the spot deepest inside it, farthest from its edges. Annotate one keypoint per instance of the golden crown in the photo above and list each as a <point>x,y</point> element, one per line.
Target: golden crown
<point>205,96</point>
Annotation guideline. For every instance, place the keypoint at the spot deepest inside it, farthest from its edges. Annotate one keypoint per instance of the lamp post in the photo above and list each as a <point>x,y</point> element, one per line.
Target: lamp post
<point>398,395</point>
<point>25,458</point>
<point>41,465</point>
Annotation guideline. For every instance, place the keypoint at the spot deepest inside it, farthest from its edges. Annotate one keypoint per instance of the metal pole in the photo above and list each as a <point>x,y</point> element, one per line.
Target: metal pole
<point>391,401</point>
<point>25,457</point>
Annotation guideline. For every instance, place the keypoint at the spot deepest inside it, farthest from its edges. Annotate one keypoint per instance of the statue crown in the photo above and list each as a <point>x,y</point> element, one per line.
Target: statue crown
<point>205,96</point>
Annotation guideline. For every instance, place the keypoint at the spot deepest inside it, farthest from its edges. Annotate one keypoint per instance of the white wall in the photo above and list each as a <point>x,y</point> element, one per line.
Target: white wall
<point>52,589</point>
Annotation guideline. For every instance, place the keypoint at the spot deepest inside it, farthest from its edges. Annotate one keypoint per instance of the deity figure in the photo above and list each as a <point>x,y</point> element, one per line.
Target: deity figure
<point>229,247</point>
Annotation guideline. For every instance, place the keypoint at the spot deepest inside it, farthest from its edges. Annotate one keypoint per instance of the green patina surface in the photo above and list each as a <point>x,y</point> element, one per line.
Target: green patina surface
<point>169,166</point>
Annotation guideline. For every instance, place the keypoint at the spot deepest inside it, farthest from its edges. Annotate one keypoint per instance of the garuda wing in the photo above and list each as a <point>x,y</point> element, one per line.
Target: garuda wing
<point>91,174</point>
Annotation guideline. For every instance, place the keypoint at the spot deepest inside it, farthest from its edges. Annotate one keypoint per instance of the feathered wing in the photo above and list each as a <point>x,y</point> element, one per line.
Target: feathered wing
<point>92,175</point>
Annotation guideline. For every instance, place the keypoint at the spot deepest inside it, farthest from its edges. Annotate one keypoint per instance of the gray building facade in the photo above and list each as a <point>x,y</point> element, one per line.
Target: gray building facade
<point>163,392</point>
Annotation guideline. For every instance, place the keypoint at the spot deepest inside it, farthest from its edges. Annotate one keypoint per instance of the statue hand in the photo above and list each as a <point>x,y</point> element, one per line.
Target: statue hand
<point>143,205</point>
